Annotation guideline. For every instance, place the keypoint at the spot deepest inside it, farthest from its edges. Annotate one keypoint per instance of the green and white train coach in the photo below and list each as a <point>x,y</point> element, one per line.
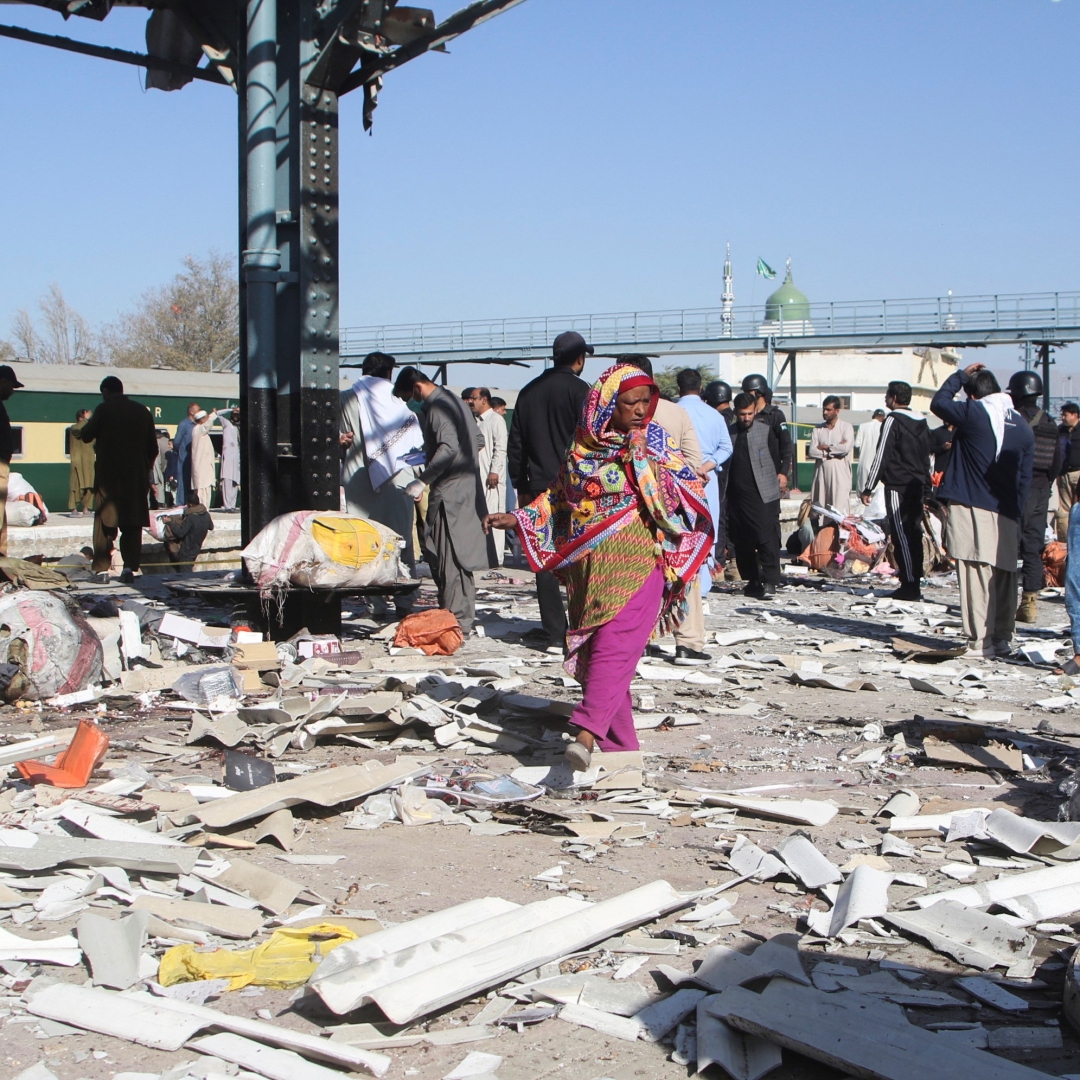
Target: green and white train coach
<point>45,408</point>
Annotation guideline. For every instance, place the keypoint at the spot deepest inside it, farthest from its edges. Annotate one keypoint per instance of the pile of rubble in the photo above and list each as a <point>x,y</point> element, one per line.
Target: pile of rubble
<point>223,856</point>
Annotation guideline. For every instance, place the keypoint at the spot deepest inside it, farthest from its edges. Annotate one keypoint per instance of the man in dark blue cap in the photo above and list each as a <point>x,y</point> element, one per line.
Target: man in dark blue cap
<point>545,417</point>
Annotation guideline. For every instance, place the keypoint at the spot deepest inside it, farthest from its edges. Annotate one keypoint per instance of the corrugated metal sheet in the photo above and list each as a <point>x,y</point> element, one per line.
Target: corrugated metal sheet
<point>420,966</point>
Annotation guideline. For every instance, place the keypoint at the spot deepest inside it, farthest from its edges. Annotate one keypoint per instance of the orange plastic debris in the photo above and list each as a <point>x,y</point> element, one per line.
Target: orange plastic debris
<point>436,632</point>
<point>75,764</point>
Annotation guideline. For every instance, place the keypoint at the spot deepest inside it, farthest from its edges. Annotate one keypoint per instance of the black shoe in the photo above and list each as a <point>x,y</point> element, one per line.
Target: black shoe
<point>770,591</point>
<point>911,593</point>
<point>687,657</point>
<point>755,590</point>
<point>127,577</point>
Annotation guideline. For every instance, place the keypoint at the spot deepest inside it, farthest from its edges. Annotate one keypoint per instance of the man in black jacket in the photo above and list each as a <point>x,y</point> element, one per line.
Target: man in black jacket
<point>1024,389</point>
<point>185,533</point>
<point>902,465</point>
<point>773,415</point>
<point>545,416</point>
<point>754,500</point>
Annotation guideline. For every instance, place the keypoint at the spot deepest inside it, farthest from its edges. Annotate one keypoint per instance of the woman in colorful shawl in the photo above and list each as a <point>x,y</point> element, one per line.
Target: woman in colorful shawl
<point>625,526</point>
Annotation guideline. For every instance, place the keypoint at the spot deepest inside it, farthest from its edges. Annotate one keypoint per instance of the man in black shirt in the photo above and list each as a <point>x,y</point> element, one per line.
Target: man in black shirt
<point>718,395</point>
<point>773,415</point>
<point>545,416</point>
<point>902,465</point>
<point>1070,471</point>
<point>9,383</point>
<point>941,447</point>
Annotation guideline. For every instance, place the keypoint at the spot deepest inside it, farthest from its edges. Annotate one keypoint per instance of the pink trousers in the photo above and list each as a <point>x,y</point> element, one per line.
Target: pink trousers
<point>614,651</point>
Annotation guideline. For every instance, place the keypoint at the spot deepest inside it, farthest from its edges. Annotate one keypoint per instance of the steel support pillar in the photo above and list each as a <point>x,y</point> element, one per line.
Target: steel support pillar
<point>794,389</point>
<point>260,262</point>
<point>1044,355</point>
<point>770,363</point>
<point>289,284</point>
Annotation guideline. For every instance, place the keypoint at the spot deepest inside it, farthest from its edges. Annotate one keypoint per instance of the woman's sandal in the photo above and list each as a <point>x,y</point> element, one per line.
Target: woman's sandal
<point>577,753</point>
<point>1071,667</point>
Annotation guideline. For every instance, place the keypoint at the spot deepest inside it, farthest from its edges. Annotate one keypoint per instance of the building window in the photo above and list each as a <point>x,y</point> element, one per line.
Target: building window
<point>16,442</point>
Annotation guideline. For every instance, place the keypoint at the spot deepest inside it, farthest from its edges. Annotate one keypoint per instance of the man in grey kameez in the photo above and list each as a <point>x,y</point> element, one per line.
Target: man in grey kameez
<point>456,503</point>
<point>230,459</point>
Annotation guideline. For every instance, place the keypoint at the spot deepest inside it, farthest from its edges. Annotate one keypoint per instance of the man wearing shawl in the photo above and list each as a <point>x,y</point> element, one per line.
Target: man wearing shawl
<point>126,445</point>
<point>986,486</point>
<point>626,527</point>
<point>381,441</point>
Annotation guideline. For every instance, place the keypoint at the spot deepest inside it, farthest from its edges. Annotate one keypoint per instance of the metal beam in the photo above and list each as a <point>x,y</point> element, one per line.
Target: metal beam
<point>408,352</point>
<point>447,30</point>
<point>103,52</point>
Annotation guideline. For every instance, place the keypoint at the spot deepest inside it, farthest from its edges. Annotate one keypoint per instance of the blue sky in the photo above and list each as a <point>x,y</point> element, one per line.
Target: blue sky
<point>575,157</point>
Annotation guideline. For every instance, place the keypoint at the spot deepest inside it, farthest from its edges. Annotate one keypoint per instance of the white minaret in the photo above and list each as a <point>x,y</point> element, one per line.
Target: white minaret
<point>728,299</point>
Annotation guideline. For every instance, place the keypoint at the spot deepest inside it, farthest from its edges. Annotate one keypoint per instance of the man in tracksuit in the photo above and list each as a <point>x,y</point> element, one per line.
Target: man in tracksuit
<point>902,464</point>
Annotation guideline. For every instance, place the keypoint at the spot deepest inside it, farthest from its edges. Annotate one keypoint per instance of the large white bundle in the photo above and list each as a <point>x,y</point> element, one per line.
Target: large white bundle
<point>55,648</point>
<point>323,549</point>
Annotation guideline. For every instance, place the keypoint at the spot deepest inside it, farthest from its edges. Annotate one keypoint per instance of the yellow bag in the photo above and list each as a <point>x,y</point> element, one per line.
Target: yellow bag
<point>351,542</point>
<point>288,959</point>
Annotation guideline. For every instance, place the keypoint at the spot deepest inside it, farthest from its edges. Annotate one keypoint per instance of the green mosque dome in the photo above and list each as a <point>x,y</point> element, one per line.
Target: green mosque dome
<point>790,301</point>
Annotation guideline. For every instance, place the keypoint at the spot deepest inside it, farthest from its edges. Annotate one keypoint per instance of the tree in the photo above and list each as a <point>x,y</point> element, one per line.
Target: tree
<point>60,335</point>
<point>666,379</point>
<point>190,324</point>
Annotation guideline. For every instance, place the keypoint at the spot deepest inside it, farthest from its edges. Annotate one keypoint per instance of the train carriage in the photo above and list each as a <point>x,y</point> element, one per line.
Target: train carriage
<point>45,408</point>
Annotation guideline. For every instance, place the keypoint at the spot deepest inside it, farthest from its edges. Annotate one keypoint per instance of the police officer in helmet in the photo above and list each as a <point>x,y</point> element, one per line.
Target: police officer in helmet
<point>1025,388</point>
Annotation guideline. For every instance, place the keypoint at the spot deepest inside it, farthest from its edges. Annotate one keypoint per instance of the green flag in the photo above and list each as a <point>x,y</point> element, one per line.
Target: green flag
<point>765,270</point>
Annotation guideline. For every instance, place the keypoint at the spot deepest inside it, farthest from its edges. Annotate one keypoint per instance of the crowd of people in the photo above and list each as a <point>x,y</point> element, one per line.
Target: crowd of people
<point>631,503</point>
<point>634,504</point>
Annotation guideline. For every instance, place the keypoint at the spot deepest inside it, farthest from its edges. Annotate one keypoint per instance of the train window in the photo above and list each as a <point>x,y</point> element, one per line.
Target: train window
<point>16,441</point>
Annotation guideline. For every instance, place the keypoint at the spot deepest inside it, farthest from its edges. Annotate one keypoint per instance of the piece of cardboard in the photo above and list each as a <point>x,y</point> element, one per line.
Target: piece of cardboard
<point>994,755</point>
<point>257,656</point>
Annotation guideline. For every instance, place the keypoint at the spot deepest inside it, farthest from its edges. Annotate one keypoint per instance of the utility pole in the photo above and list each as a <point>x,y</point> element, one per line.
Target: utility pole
<point>1044,353</point>
<point>727,300</point>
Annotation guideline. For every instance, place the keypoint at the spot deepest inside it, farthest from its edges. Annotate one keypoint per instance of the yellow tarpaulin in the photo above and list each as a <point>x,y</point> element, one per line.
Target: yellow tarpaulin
<point>286,960</point>
<point>351,542</point>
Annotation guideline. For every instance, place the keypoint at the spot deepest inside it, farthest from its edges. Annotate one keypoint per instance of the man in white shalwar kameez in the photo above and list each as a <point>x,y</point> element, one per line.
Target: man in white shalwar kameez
<point>492,457</point>
<point>230,458</point>
<point>381,442</point>
<point>202,457</point>
<point>866,442</point>
<point>830,450</point>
